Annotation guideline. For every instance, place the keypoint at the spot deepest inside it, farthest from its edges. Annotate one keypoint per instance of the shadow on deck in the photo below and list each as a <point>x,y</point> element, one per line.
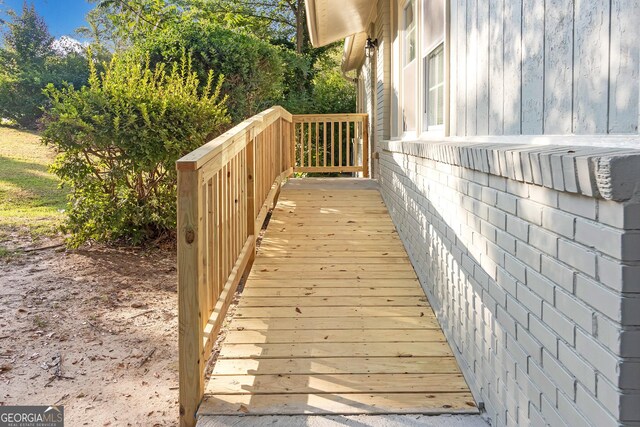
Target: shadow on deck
<point>332,319</point>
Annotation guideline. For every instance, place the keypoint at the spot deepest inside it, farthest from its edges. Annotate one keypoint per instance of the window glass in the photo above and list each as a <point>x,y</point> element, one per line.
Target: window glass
<point>409,33</point>
<point>435,87</point>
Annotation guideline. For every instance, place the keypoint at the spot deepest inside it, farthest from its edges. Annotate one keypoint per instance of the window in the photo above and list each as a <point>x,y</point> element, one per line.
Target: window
<point>434,105</point>
<point>409,33</point>
<point>409,74</point>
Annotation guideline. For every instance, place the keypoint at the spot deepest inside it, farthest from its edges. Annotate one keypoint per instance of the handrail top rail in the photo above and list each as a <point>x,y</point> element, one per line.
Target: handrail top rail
<point>253,126</point>
<point>343,116</point>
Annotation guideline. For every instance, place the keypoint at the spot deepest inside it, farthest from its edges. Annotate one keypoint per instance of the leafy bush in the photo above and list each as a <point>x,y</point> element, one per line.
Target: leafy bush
<point>332,93</point>
<point>319,88</point>
<point>21,97</point>
<point>252,68</point>
<point>118,139</point>
<point>28,62</point>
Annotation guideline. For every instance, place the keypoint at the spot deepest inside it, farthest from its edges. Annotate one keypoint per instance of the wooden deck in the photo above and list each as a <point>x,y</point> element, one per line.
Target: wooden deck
<point>332,318</point>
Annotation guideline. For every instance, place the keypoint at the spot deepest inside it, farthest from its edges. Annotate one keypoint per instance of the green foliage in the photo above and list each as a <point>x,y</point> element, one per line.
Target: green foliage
<point>332,93</point>
<point>28,63</point>
<point>27,40</point>
<point>131,20</point>
<point>21,97</point>
<point>279,21</point>
<point>252,69</point>
<point>118,139</point>
<point>27,43</point>
<point>319,89</point>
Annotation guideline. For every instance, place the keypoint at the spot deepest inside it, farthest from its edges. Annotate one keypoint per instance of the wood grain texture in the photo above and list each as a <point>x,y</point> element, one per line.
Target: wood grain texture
<point>496,67</point>
<point>459,82</point>
<point>559,30</point>
<point>333,319</point>
<point>591,66</point>
<point>512,51</point>
<point>333,336</point>
<point>322,323</point>
<point>338,365</point>
<point>331,383</point>
<point>533,62</point>
<point>482,69</point>
<point>324,349</point>
<point>624,66</point>
<point>320,301</point>
<point>347,291</point>
<point>336,404</point>
<point>471,71</point>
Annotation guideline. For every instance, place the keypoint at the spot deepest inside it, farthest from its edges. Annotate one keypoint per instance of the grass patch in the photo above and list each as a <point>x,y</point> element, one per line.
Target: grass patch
<point>30,200</point>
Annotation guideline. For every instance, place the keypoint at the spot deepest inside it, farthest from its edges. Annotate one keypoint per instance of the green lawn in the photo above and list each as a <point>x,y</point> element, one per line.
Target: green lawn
<point>30,201</point>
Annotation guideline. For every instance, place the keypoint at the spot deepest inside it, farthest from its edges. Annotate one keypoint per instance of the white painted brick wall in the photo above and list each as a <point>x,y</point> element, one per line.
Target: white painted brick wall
<point>537,287</point>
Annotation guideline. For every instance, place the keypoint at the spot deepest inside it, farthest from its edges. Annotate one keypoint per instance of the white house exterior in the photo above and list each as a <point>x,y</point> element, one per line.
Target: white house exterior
<point>505,141</point>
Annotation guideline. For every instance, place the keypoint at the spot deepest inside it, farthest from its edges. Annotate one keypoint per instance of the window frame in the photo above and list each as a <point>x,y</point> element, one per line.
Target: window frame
<point>405,64</point>
<point>408,31</point>
<point>437,49</point>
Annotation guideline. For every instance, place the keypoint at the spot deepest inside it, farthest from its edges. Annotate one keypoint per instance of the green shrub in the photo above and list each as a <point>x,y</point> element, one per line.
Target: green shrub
<point>332,93</point>
<point>28,62</point>
<point>118,139</point>
<point>252,68</point>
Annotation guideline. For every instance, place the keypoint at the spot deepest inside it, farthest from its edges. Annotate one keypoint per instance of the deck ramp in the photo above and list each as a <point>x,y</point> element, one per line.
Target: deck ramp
<point>332,319</point>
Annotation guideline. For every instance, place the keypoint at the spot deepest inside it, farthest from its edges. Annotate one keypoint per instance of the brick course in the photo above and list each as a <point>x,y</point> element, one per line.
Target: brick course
<point>535,284</point>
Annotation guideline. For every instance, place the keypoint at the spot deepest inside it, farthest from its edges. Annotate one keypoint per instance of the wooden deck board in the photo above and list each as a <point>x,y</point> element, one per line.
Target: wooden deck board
<point>320,301</point>
<point>333,319</point>
<point>349,291</point>
<point>359,323</point>
<point>333,336</point>
<point>342,365</point>
<point>339,404</point>
<point>337,383</point>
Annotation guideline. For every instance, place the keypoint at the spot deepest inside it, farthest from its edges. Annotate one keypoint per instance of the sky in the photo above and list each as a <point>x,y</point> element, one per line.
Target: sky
<point>62,16</point>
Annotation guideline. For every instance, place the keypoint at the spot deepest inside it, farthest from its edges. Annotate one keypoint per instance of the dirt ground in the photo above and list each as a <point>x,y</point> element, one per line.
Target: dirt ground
<point>94,330</point>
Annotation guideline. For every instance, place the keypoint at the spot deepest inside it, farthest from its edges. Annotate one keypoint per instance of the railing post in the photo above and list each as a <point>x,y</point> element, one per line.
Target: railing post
<point>251,187</point>
<point>190,283</point>
<point>365,147</point>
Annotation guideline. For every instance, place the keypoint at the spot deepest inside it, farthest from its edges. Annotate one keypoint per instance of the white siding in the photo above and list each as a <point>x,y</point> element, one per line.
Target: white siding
<point>623,69</point>
<point>496,67</point>
<point>553,67</point>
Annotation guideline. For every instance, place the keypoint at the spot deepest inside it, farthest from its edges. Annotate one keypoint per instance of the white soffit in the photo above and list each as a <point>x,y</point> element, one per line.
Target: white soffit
<point>332,20</point>
<point>353,54</point>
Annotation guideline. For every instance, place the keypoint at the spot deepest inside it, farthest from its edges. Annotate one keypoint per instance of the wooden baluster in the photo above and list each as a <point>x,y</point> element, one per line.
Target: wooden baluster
<point>356,142</point>
<point>220,237</point>
<point>237,245</point>
<point>292,143</point>
<point>301,144</point>
<point>309,144</point>
<point>324,145</point>
<point>340,144</point>
<point>227,240</point>
<point>348,146</point>
<point>317,162</point>
<point>251,209</point>
<point>365,147</point>
<point>333,137</point>
<point>212,294</point>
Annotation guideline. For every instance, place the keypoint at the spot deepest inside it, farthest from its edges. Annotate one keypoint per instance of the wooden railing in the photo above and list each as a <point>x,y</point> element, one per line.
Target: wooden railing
<point>225,189</point>
<point>330,143</point>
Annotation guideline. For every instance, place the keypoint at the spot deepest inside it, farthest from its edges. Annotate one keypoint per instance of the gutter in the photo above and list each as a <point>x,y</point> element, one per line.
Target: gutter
<point>347,78</point>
